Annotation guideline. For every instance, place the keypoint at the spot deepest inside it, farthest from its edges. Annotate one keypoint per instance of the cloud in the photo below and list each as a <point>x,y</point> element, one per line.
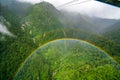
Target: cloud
<point>32,1</point>
<point>4,30</point>
<point>96,9</point>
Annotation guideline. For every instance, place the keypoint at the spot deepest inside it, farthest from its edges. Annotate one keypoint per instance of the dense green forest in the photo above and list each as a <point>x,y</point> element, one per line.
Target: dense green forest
<point>113,33</point>
<point>36,25</point>
<point>68,59</point>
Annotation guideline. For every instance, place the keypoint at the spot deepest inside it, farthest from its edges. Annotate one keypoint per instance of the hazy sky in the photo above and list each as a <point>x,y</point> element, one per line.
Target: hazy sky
<point>91,8</point>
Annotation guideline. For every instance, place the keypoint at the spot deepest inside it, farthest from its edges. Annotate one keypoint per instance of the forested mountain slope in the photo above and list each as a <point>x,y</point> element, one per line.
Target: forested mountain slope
<point>20,9</point>
<point>113,33</point>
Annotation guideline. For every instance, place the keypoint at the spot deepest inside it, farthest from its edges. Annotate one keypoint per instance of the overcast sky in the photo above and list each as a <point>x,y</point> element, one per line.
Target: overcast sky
<point>91,8</point>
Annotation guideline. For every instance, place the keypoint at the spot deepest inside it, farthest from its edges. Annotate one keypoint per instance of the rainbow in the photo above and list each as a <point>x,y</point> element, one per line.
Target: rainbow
<point>65,39</point>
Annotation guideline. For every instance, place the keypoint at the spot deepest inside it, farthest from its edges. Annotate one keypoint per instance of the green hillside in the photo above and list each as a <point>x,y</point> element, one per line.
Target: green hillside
<point>14,50</point>
<point>68,59</point>
<point>42,18</point>
<point>113,33</point>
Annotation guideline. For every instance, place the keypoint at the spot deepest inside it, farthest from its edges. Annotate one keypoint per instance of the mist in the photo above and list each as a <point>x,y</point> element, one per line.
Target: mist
<point>84,22</point>
<point>91,15</point>
<point>90,8</point>
<point>4,30</point>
